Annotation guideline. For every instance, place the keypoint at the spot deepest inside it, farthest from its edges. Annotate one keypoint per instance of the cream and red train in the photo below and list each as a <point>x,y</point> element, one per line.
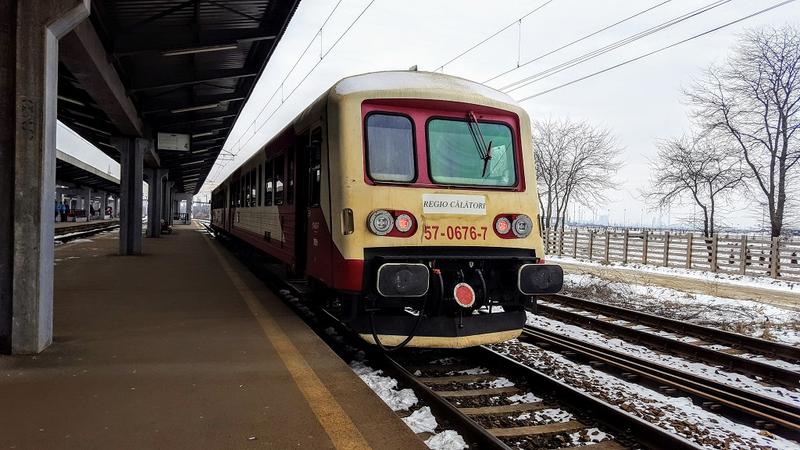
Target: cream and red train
<point>401,192</point>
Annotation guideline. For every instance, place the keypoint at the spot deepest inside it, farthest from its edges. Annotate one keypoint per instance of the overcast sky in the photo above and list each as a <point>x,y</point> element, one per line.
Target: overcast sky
<point>639,103</point>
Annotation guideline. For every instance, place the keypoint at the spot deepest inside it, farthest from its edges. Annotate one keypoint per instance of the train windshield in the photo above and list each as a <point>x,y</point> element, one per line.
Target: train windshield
<point>390,148</point>
<point>454,159</point>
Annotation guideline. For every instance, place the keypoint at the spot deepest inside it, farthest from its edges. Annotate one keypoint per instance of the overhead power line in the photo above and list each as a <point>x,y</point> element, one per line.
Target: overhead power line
<point>322,57</point>
<point>656,51</point>
<point>493,35</point>
<point>519,66</point>
<point>289,73</point>
<point>610,47</point>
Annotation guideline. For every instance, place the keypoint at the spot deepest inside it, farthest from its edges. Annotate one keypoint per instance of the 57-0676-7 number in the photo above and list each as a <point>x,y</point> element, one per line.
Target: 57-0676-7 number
<point>454,233</point>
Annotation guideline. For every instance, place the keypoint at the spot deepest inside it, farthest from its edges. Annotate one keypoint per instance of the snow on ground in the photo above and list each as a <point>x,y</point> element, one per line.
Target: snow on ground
<point>421,420</point>
<point>676,414</point>
<point>704,370</point>
<point>446,440</point>
<point>742,316</point>
<point>740,280</point>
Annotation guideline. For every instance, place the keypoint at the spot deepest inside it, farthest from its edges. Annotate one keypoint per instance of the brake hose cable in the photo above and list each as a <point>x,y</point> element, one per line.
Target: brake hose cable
<point>413,333</point>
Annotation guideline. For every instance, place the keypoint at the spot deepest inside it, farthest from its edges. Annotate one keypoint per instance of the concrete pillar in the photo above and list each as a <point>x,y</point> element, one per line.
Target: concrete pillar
<point>130,230</point>
<point>103,203</point>
<point>168,195</point>
<point>155,196</point>
<point>87,202</point>
<point>29,33</point>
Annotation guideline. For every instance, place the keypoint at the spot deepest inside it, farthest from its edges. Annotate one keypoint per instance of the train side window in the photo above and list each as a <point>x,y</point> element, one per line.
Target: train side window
<point>390,148</point>
<point>290,177</point>
<point>253,188</point>
<point>279,178</point>
<point>314,168</point>
<point>269,184</point>
<point>249,189</point>
<point>258,185</point>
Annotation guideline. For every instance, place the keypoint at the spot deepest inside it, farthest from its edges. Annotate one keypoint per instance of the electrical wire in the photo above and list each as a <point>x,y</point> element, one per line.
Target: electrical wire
<point>610,47</point>
<point>322,57</point>
<point>575,41</point>
<point>493,35</point>
<point>289,73</point>
<point>656,51</point>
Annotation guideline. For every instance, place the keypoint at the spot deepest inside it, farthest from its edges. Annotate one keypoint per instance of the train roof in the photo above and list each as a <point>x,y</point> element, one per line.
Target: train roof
<point>415,84</point>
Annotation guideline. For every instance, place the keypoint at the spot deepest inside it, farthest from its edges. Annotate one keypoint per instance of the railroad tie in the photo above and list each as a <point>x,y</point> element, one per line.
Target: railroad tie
<point>538,430</point>
<point>477,392</point>
<point>503,409</point>
<point>456,379</point>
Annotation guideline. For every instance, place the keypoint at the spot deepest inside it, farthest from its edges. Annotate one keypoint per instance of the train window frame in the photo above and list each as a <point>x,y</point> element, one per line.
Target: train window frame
<point>314,196</point>
<point>279,165</point>
<point>253,187</point>
<point>415,164</point>
<point>290,168</point>
<point>269,182</point>
<point>259,191</point>
<point>514,150</point>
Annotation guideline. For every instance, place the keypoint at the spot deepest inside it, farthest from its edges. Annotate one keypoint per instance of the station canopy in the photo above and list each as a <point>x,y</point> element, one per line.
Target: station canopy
<point>175,71</point>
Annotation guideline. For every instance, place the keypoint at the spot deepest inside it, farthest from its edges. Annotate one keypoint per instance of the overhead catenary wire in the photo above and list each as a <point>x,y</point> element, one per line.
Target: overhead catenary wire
<point>519,20</point>
<point>741,19</point>
<point>322,57</point>
<point>569,44</point>
<point>610,47</point>
<point>291,70</point>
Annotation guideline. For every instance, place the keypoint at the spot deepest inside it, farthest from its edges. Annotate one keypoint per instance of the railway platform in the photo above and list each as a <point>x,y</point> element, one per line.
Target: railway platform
<point>182,347</point>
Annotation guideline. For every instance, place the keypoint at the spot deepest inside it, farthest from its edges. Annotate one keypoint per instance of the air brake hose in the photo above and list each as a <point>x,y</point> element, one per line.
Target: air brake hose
<point>413,333</point>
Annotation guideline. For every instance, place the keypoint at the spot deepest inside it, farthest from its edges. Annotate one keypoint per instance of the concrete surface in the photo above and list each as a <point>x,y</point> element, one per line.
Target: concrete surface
<point>182,347</point>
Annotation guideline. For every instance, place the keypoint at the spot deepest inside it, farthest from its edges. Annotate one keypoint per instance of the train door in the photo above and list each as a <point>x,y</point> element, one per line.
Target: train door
<point>301,203</point>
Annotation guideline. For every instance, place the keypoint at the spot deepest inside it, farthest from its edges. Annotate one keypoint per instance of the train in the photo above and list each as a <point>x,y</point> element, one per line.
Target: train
<point>405,202</point>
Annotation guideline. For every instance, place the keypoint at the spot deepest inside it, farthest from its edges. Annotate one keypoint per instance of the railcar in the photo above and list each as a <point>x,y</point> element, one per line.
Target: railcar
<point>406,201</point>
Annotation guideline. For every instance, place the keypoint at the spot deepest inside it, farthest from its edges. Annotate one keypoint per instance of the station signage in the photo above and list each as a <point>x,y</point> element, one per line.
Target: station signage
<point>173,141</point>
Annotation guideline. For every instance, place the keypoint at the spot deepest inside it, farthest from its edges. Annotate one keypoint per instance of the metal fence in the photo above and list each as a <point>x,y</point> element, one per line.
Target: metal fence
<point>730,254</point>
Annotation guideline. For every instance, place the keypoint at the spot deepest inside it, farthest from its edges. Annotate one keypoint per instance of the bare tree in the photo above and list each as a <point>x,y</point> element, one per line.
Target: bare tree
<point>754,100</point>
<point>575,161</point>
<point>701,170</point>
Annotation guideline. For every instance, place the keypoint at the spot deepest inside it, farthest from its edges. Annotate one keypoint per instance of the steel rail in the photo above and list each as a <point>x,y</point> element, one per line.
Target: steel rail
<point>758,407</point>
<point>766,371</point>
<point>735,340</point>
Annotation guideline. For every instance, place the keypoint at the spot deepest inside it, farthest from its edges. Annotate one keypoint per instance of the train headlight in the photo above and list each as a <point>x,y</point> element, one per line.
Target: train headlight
<point>380,222</point>
<point>502,225</point>
<point>522,226</point>
<point>404,223</point>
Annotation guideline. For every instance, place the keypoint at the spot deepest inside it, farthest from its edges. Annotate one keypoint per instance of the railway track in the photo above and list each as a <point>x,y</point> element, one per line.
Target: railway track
<point>759,411</point>
<point>474,386</point>
<point>82,234</point>
<point>476,404</point>
<point>585,313</point>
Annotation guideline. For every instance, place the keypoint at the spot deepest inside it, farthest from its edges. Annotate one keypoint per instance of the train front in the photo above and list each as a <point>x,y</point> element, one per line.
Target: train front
<point>436,211</point>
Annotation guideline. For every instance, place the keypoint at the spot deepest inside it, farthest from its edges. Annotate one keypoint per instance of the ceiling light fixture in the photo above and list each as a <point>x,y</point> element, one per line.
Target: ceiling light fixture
<point>92,128</point>
<point>70,100</point>
<point>195,50</point>
<point>195,108</point>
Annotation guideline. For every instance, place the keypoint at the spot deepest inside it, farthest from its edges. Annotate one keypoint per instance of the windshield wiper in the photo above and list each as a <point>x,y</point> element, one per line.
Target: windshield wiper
<point>484,151</point>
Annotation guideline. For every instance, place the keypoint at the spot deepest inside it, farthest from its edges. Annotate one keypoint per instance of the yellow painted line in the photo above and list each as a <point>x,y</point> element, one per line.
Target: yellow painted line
<point>329,412</point>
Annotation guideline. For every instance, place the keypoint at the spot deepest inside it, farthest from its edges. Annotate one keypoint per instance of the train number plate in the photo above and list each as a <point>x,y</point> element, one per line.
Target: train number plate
<point>454,233</point>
